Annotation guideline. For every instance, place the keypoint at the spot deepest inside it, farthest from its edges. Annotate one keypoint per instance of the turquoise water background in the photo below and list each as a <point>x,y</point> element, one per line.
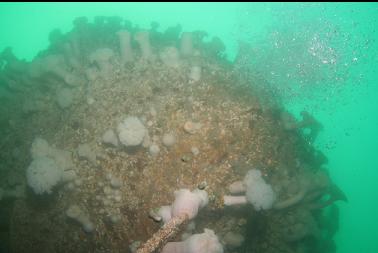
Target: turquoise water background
<point>336,42</point>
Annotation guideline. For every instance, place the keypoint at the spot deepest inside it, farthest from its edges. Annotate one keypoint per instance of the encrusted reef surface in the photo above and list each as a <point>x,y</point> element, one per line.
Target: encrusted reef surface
<point>191,119</point>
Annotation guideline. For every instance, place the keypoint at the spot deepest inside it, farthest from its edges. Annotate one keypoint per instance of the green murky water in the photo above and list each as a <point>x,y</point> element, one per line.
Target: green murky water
<point>320,57</point>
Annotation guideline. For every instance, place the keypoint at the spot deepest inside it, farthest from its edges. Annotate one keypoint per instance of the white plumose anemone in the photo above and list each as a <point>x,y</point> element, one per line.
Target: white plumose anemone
<point>43,174</point>
<point>131,131</point>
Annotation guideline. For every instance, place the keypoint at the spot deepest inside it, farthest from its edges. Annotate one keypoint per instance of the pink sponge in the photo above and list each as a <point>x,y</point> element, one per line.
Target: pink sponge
<point>206,242</point>
<point>185,202</point>
<point>189,202</point>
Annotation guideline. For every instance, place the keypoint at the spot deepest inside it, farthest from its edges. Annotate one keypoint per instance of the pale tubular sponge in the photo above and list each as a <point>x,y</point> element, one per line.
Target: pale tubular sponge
<point>52,64</point>
<point>70,57</point>
<point>125,46</point>
<point>74,212</point>
<point>91,74</point>
<point>143,40</point>
<point>186,44</point>
<point>237,187</point>
<point>195,73</point>
<point>170,57</point>
<point>102,57</point>
<point>233,240</point>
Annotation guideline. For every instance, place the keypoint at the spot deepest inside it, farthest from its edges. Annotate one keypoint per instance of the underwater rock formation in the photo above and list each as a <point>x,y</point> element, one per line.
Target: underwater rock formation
<point>196,121</point>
